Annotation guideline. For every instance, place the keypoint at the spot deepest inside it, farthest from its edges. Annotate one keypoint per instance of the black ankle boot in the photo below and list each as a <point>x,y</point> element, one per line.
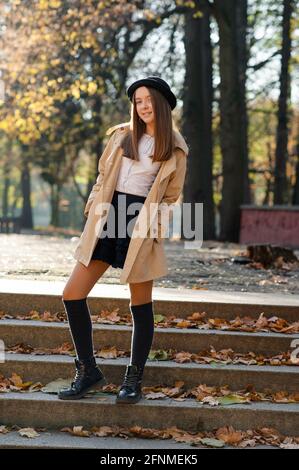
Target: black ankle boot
<point>130,391</point>
<point>88,376</point>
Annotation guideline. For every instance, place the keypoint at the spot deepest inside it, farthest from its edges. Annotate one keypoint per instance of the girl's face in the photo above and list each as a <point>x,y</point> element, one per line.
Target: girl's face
<point>143,105</point>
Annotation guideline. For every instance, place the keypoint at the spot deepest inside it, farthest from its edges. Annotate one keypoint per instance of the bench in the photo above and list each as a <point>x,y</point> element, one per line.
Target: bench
<point>10,224</point>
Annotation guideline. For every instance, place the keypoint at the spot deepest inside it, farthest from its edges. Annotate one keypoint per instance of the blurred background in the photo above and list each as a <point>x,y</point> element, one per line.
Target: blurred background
<point>64,68</point>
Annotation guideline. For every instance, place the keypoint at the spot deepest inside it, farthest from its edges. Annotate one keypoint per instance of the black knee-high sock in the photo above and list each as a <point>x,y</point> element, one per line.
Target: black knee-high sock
<point>143,332</point>
<point>81,326</point>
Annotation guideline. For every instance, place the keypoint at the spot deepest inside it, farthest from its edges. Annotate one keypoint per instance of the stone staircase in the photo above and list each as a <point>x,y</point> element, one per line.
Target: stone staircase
<point>39,409</point>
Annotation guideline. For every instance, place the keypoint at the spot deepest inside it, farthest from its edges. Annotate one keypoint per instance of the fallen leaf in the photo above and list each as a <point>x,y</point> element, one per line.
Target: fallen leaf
<point>28,432</point>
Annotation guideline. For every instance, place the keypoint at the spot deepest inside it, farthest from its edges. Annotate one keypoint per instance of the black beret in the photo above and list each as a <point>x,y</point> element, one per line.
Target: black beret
<point>153,82</point>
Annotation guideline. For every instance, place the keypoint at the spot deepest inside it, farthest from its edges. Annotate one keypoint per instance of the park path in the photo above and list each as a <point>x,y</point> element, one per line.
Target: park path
<point>47,257</point>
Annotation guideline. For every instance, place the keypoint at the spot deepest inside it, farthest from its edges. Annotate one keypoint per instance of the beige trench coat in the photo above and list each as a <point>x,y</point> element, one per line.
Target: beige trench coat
<point>145,258</point>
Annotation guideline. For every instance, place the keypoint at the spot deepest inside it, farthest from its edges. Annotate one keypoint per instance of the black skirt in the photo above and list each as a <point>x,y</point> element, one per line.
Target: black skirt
<point>113,248</point>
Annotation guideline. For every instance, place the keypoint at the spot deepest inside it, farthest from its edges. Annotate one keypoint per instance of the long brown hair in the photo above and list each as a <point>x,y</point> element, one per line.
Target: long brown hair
<point>164,127</point>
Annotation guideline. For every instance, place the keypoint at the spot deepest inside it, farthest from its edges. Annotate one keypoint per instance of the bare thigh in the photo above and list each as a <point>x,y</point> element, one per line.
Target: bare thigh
<point>141,292</point>
<point>83,278</point>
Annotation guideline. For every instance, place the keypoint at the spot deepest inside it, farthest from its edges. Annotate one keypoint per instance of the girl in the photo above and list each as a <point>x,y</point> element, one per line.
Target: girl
<point>143,163</point>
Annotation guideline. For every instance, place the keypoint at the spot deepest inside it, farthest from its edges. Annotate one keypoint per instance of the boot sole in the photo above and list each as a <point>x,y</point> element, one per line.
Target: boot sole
<point>95,386</point>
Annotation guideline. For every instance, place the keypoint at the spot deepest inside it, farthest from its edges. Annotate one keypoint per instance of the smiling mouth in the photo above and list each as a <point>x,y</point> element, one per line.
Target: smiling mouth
<point>146,114</point>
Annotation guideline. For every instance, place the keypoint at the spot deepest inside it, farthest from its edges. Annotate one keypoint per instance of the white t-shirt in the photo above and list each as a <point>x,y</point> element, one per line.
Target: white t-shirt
<point>137,177</point>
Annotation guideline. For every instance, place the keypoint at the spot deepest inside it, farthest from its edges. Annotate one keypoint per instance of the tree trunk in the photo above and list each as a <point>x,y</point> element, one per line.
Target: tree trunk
<point>6,185</point>
<point>281,153</point>
<point>26,216</point>
<point>55,198</point>
<point>97,148</point>
<point>197,117</point>
<point>295,198</point>
<point>231,17</point>
<point>7,164</point>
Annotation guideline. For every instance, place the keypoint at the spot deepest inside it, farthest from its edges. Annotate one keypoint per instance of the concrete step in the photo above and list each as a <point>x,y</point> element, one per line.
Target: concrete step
<point>46,368</point>
<point>21,296</point>
<point>63,440</point>
<point>41,334</point>
<point>46,410</point>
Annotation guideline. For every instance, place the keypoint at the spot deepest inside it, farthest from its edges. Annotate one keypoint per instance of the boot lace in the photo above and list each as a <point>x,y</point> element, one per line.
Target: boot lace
<point>131,380</point>
<point>80,372</point>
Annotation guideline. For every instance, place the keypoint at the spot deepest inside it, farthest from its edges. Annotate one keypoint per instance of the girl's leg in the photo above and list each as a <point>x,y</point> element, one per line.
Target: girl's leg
<point>141,307</point>
<point>83,278</point>
<point>141,292</point>
<point>74,298</point>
